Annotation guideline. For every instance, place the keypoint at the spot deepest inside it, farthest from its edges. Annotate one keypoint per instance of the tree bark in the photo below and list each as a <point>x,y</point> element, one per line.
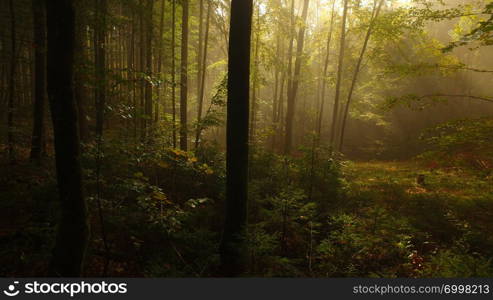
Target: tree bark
<point>253,114</point>
<point>376,12</point>
<point>326,67</point>
<point>80,77</point>
<point>100,64</point>
<point>200,51</point>
<point>148,68</point>
<point>184,78</point>
<point>202,78</point>
<point>71,240</point>
<point>13,68</point>
<point>232,248</point>
<point>295,82</point>
<point>173,71</point>
<point>39,29</point>
<point>339,74</point>
<point>160,62</point>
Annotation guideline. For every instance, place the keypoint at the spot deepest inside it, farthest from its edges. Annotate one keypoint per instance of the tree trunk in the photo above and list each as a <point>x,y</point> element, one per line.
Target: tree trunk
<point>253,114</point>
<point>200,54</point>
<point>173,70</point>
<point>339,74</point>
<point>39,29</point>
<point>277,70</point>
<point>326,67</point>
<point>100,64</point>
<point>232,249</point>
<point>376,12</point>
<point>160,62</point>
<point>290,48</point>
<point>13,68</point>
<point>133,76</point>
<point>295,83</point>
<point>71,241</point>
<point>148,68</point>
<point>202,79</point>
<point>4,65</point>
<point>80,76</point>
<point>142,69</point>
<point>184,77</point>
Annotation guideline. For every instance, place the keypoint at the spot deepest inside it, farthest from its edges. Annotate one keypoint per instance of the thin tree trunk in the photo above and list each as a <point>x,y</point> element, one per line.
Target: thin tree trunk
<point>295,83</point>
<point>253,114</point>
<point>160,62</point>
<point>142,69</point>
<point>291,47</point>
<point>232,248</point>
<point>376,12</point>
<point>280,107</point>
<point>339,74</point>
<point>13,68</point>
<point>202,79</point>
<point>184,78</point>
<point>148,68</point>
<point>276,86</point>
<point>326,67</point>
<point>280,102</point>
<point>80,79</point>
<point>173,71</point>
<point>72,236</point>
<point>39,29</point>
<point>133,77</point>
<point>200,50</point>
<point>3,61</point>
<point>100,64</point>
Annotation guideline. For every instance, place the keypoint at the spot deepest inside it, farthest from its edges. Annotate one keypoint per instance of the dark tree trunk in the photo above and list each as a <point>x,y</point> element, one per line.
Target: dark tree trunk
<point>202,78</point>
<point>292,29</point>
<point>148,67</point>
<point>13,68</point>
<point>100,64</point>
<point>200,51</point>
<point>39,29</point>
<point>232,245</point>
<point>173,70</point>
<point>160,62</point>
<point>134,76</point>
<point>142,70</point>
<point>295,83</point>
<point>80,77</point>
<point>184,78</point>
<point>71,241</point>
<point>3,60</point>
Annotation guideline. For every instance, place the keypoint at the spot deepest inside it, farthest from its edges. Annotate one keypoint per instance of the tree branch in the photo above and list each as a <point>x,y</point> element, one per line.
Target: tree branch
<point>457,96</point>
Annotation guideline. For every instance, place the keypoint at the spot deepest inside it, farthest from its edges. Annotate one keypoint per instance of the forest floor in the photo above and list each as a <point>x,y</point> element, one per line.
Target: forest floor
<point>449,217</point>
<point>459,195</point>
<point>445,223</point>
<point>461,191</point>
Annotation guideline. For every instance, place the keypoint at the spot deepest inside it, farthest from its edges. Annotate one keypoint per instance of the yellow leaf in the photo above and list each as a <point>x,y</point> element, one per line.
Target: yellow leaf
<point>159,196</point>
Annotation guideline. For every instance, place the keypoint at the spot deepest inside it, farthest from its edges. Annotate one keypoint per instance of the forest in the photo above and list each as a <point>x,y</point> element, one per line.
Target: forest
<point>246,138</point>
